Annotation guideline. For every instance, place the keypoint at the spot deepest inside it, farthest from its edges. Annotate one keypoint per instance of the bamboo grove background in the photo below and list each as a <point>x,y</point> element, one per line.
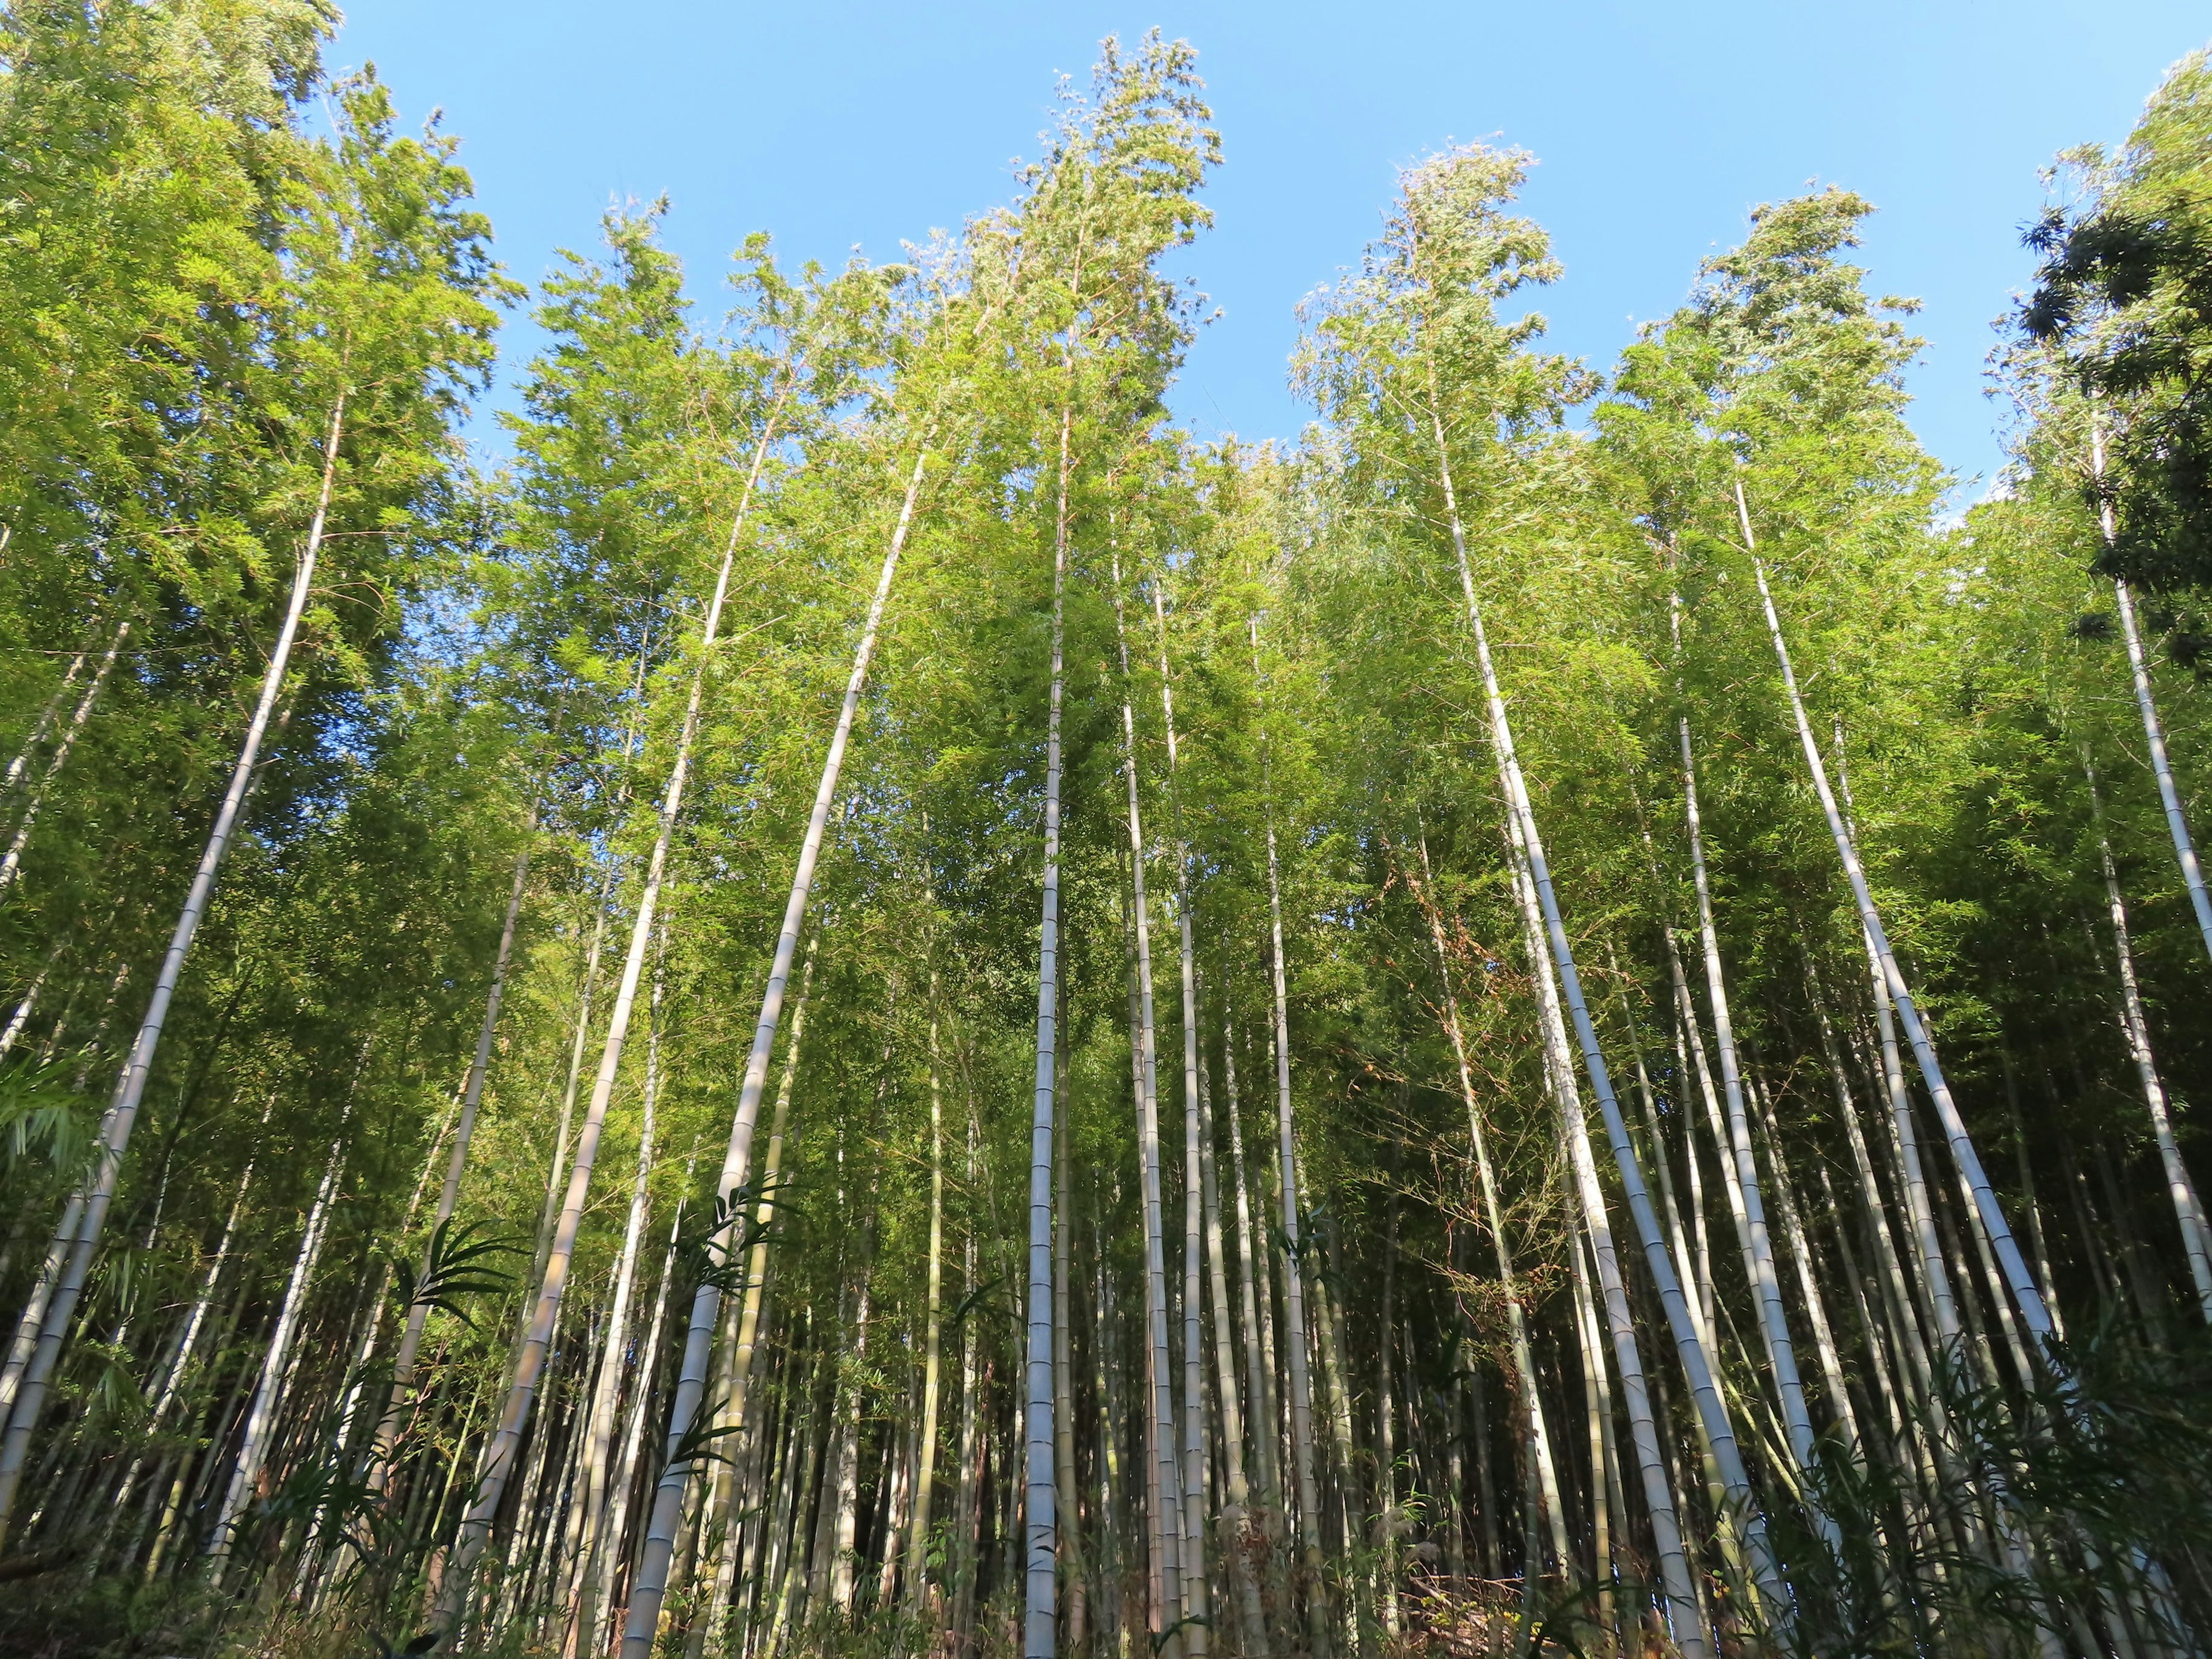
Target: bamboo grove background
<point>867,1004</point>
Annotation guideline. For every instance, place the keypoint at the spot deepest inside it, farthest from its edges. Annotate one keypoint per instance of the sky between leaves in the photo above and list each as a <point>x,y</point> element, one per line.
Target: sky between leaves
<point>1656,124</point>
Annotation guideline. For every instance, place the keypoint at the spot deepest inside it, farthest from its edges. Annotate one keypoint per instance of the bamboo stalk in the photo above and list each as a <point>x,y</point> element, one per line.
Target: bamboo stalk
<point>130,1088</point>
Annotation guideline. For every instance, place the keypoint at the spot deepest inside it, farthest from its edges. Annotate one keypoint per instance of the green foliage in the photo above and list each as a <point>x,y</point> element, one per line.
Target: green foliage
<point>2125,294</point>
<point>456,1264</point>
<point>211,299</point>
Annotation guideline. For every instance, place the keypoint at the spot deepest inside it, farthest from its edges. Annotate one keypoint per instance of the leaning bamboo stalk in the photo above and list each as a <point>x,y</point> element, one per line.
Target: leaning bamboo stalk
<point>1759,1246</point>
<point>549,1209</point>
<point>2177,822</point>
<point>1662,1165</point>
<point>1168,1511</point>
<point>1548,970</point>
<point>1689,1346</point>
<point>1040,1550</point>
<point>601,1487</point>
<point>187,1345</point>
<point>612,1553</point>
<point>1195,1597</point>
<point>650,1584</point>
<point>19,767</point>
<point>1808,1284</point>
<point>11,863</point>
<point>16,1021</point>
<point>2137,1031</point>
<point>500,1450</point>
<point>744,1347</point>
<point>1597,1410</point>
<point>1294,1309</point>
<point>418,1312</point>
<point>131,1086</point>
<point>1543,1472</point>
<point>276,1365</point>
<point>1894,1294</point>
<point>2014,1264</point>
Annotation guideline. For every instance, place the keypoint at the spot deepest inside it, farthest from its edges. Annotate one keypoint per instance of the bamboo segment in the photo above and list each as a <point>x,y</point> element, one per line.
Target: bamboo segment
<point>130,1088</point>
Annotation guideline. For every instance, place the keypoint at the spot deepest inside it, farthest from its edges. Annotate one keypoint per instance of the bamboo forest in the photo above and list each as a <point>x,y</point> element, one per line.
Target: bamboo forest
<point>847,997</point>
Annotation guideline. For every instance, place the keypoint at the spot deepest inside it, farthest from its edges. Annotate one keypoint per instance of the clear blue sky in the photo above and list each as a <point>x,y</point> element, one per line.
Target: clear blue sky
<point>1656,126</point>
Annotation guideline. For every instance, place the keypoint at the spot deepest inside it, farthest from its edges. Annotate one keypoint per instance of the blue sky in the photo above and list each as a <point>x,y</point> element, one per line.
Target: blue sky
<point>1656,128</point>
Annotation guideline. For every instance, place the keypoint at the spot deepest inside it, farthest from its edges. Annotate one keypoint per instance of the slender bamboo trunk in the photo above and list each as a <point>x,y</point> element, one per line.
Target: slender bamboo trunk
<point>418,1313</point>
<point>500,1450</point>
<point>11,863</point>
<point>1294,1312</point>
<point>897,1480</point>
<point>1106,1382</point>
<point>1328,1355</point>
<point>32,1318</point>
<point>166,1530</point>
<point>188,1344</point>
<point>1543,1472</point>
<point>744,1349</point>
<point>16,1021</point>
<point>925,1475</point>
<point>1168,1523</point>
<point>2178,1188</point>
<point>1891,1260</point>
<point>1065,1479</point>
<point>1386,1429</point>
<point>2036,1235</point>
<point>960,1556</point>
<point>1683,1611</point>
<point>613,1552</point>
<point>132,1087</point>
<point>601,1487</point>
<point>1259,1370</point>
<point>1597,1411</point>
<point>276,1363</point>
<point>1808,1283</point>
<point>1759,1247</point>
<point>1196,1602</point>
<point>843,1577</point>
<point>19,768</point>
<point>650,1582</point>
<point>1673,1564</point>
<point>1663,1165</point>
<point>2177,824</point>
<point>2014,1264</point>
<point>549,1212</point>
<point>1235,1512</point>
<point>1040,1625</point>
